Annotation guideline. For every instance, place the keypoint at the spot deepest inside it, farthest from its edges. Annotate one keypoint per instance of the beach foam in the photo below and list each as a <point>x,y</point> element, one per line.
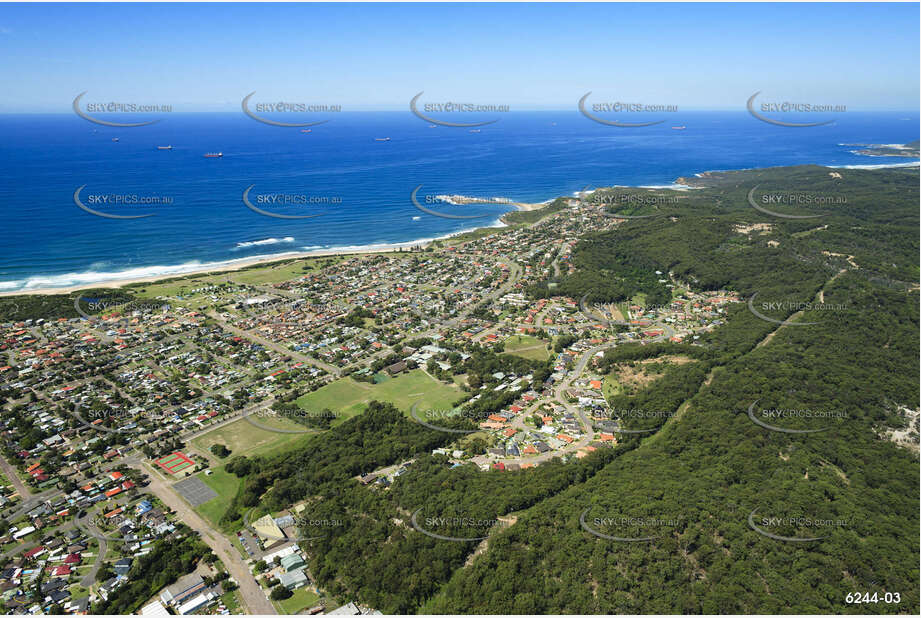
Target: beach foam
<point>89,278</point>
<point>264,241</point>
<point>876,166</point>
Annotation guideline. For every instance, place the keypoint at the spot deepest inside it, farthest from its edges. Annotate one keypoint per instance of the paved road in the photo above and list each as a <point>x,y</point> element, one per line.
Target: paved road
<point>275,346</point>
<point>226,420</point>
<point>560,397</point>
<point>513,277</point>
<point>31,503</point>
<point>253,597</point>
<point>27,546</point>
<point>10,471</point>
<point>90,577</point>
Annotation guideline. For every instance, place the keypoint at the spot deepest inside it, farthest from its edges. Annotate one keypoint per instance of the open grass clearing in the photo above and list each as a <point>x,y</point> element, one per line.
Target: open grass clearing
<point>348,397</point>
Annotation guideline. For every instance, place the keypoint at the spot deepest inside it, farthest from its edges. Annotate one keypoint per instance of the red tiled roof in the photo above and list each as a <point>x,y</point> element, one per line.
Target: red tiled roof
<point>34,551</point>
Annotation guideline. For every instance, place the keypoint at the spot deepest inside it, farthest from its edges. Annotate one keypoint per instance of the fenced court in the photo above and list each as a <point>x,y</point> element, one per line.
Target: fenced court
<point>194,490</point>
<point>174,463</point>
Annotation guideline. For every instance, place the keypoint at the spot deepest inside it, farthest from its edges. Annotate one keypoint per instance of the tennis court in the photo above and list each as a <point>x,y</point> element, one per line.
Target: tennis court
<point>194,491</point>
<point>175,462</point>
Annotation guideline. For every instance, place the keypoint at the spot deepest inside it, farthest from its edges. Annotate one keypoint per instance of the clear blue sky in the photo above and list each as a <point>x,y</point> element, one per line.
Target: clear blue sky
<point>361,56</point>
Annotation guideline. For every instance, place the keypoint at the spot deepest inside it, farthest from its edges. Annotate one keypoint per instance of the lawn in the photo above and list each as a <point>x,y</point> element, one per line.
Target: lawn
<point>276,273</point>
<point>177,287</point>
<point>527,346</point>
<point>611,386</point>
<point>77,591</point>
<point>301,599</point>
<point>242,438</point>
<point>245,438</point>
<point>230,601</point>
<point>225,484</point>
<point>348,397</point>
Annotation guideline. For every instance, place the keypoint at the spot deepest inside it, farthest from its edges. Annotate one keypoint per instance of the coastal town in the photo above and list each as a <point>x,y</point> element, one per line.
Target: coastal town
<point>117,424</point>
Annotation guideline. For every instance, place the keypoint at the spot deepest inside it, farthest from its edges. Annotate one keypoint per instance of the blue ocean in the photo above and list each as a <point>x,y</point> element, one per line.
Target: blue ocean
<point>360,182</point>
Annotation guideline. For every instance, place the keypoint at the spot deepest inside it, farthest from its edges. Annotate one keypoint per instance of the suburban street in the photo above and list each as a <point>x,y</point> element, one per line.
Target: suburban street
<point>251,592</point>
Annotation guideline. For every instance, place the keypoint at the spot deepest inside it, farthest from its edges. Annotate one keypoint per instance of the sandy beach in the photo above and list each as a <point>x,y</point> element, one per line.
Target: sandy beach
<point>214,268</point>
<point>247,262</point>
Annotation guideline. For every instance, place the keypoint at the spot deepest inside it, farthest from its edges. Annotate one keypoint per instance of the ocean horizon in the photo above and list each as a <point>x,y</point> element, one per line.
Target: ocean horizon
<point>356,186</point>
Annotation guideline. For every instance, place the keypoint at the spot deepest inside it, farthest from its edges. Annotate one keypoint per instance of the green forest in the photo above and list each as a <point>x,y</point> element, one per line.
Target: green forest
<point>150,573</point>
<point>705,482</point>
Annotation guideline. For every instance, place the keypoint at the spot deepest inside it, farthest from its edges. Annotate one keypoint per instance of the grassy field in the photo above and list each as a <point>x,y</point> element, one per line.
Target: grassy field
<point>348,397</point>
<point>225,484</point>
<point>179,287</point>
<point>302,598</point>
<point>611,386</point>
<point>264,274</point>
<point>242,438</point>
<point>527,346</point>
<point>245,438</point>
<point>276,273</point>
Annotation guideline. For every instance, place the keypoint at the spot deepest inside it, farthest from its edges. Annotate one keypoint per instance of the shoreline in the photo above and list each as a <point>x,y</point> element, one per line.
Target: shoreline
<point>204,269</point>
<point>239,264</point>
<point>243,263</point>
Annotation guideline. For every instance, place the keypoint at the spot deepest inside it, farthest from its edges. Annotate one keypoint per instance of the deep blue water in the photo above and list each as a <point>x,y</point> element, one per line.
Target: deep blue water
<point>526,156</point>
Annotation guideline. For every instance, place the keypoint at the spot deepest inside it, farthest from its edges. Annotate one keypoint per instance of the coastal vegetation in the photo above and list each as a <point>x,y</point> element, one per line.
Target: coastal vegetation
<point>702,464</point>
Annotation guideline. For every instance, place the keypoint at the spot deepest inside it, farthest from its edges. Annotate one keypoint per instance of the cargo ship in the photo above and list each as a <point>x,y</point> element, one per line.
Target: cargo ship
<point>164,147</point>
<point>114,139</point>
<point>214,155</point>
<point>306,130</point>
<point>381,139</point>
<point>474,130</point>
<point>681,128</point>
